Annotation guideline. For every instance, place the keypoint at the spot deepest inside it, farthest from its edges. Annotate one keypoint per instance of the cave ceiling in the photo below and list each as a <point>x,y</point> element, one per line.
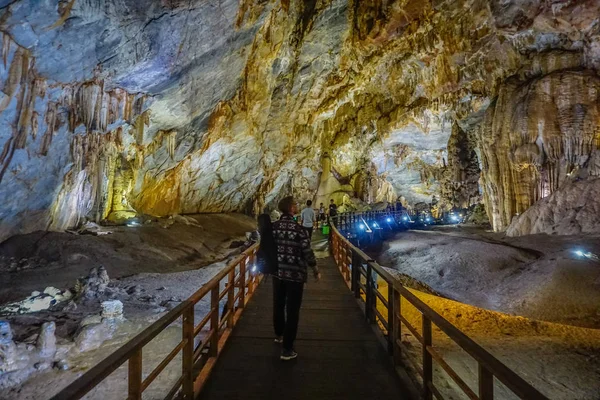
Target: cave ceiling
<point>115,108</point>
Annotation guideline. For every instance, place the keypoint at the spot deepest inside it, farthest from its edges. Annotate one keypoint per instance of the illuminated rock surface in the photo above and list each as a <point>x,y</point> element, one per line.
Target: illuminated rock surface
<point>119,108</point>
<point>120,111</point>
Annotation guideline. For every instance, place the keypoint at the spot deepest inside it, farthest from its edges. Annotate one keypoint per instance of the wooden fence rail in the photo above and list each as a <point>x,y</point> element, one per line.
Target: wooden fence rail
<point>361,274</point>
<point>199,352</point>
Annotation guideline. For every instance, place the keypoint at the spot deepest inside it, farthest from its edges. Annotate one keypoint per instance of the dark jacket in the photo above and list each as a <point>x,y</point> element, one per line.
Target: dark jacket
<point>294,254</point>
<point>267,250</point>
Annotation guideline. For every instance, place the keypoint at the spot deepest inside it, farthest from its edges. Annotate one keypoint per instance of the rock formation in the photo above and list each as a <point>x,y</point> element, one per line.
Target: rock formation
<point>118,108</point>
<point>536,135</point>
<point>572,209</point>
<point>94,284</point>
<point>18,361</point>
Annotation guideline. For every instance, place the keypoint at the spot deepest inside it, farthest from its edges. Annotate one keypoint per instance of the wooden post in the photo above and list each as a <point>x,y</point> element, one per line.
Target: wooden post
<point>348,249</point>
<point>397,299</point>
<point>486,384</point>
<point>338,250</point>
<point>188,353</point>
<point>231,297</point>
<point>427,360</point>
<point>243,283</point>
<point>369,295</point>
<point>214,322</point>
<point>250,275</point>
<point>356,265</point>
<point>135,376</point>
<point>332,245</point>
<point>390,318</point>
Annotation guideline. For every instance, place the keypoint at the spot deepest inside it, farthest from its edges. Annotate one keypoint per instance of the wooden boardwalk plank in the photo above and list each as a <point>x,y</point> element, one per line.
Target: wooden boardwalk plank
<point>339,355</point>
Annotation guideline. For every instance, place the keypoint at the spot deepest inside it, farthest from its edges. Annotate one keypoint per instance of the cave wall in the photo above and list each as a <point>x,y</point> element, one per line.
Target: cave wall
<point>77,81</point>
<point>537,134</point>
<point>109,109</point>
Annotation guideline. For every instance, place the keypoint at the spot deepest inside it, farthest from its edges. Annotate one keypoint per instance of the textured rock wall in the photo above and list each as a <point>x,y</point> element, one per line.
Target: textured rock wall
<point>77,79</point>
<point>114,108</point>
<point>536,135</point>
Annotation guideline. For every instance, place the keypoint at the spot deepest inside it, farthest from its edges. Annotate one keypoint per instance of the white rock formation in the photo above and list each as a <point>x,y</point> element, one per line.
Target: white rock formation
<point>572,209</point>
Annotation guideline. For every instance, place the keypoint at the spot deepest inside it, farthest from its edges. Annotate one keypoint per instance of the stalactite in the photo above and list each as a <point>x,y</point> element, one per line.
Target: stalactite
<point>139,125</point>
<point>5,48</point>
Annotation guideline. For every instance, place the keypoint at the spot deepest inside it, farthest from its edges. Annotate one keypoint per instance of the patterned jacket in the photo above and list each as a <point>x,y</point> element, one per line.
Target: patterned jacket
<point>294,254</point>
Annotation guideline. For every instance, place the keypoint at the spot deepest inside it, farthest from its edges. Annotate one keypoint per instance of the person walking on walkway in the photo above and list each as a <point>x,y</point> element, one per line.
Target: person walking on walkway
<point>294,256</point>
<point>321,215</point>
<point>332,209</point>
<point>308,218</point>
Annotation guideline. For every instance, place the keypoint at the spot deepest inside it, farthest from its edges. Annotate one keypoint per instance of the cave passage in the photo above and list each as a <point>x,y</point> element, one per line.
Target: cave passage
<point>140,141</point>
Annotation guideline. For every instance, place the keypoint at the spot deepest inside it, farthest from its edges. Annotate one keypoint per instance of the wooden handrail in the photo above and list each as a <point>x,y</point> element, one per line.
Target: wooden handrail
<point>489,366</point>
<point>132,350</point>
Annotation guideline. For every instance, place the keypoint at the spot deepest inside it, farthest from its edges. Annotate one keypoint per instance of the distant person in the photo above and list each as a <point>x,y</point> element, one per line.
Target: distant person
<point>321,213</point>
<point>308,218</point>
<point>398,205</point>
<point>332,209</point>
<point>294,256</point>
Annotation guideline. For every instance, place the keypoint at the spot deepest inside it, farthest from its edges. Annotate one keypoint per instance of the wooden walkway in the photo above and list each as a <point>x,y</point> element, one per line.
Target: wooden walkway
<point>339,355</point>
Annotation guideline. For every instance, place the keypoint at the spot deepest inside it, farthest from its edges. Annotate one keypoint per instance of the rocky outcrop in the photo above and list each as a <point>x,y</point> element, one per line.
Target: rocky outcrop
<point>572,209</point>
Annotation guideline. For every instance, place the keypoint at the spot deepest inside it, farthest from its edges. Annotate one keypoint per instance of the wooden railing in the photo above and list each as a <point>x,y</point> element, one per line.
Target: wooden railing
<point>361,274</point>
<point>199,350</point>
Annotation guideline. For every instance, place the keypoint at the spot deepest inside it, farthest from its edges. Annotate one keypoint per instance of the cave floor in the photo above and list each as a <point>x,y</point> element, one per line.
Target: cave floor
<point>561,359</point>
<point>41,259</point>
<point>536,276</point>
<point>527,281</point>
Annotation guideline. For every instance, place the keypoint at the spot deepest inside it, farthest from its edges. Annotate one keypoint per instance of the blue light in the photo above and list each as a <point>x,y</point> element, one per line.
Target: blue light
<point>579,253</point>
<point>374,224</point>
<point>388,219</point>
<point>361,226</point>
<point>404,218</point>
<point>428,219</point>
<point>454,218</point>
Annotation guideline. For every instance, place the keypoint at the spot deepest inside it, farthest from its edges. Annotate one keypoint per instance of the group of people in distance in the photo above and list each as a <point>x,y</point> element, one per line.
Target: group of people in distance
<point>309,219</point>
<point>285,253</point>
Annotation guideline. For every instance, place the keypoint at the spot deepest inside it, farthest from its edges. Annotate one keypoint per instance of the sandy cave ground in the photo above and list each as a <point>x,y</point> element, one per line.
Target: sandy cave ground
<point>526,281</point>
<point>536,276</point>
<point>152,268</point>
<point>58,259</point>
<point>548,355</point>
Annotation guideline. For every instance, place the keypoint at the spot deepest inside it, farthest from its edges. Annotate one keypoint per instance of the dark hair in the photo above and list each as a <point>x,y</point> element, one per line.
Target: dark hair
<point>285,204</point>
<point>309,203</point>
<point>331,200</point>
